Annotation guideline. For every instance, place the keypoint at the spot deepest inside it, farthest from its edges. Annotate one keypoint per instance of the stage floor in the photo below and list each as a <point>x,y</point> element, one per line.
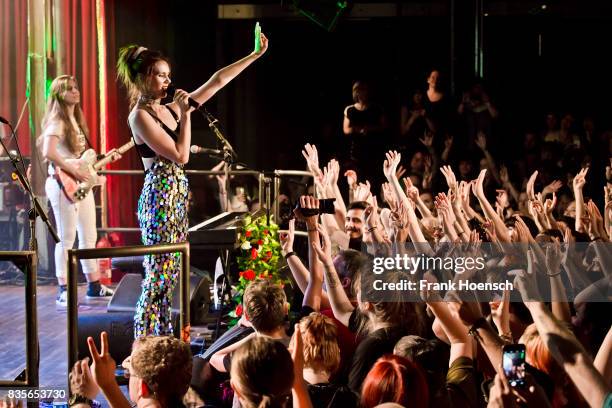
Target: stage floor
<point>51,329</point>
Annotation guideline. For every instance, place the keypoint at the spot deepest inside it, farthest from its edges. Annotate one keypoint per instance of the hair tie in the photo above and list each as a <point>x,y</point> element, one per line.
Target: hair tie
<point>133,60</point>
<point>137,53</point>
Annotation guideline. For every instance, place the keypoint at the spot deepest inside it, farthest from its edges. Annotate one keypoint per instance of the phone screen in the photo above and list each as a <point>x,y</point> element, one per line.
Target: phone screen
<point>514,364</point>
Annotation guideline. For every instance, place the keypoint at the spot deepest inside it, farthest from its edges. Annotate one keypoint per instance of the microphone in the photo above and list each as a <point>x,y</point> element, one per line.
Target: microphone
<point>171,90</point>
<point>197,150</point>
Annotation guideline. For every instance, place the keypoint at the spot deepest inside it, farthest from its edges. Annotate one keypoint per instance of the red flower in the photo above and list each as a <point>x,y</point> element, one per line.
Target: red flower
<point>248,234</point>
<point>266,232</point>
<point>260,242</point>
<point>253,253</point>
<point>239,310</point>
<point>249,274</point>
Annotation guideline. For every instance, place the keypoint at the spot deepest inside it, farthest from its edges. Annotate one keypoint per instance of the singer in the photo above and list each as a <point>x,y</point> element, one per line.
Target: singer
<point>162,134</point>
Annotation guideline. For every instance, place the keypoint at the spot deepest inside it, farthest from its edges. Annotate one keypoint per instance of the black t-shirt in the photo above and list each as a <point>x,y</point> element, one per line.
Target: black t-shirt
<point>370,348</point>
<point>331,396</point>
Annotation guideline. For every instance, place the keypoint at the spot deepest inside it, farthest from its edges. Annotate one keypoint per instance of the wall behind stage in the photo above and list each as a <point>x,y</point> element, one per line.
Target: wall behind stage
<point>297,92</point>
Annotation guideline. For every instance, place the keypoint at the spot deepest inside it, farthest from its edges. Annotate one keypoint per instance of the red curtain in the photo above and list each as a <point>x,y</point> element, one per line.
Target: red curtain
<point>13,68</point>
<point>80,42</point>
<point>122,190</point>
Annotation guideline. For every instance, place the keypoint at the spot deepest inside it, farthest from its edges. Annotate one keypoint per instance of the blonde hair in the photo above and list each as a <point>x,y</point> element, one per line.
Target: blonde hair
<point>57,111</point>
<point>262,373</point>
<point>134,66</point>
<point>321,351</point>
<point>164,363</point>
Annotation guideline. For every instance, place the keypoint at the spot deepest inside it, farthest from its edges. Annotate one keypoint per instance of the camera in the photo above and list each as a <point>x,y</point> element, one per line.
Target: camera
<point>326,206</point>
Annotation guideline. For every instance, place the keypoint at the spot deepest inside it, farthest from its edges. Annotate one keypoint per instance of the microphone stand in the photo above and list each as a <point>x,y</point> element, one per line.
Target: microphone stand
<point>229,154</point>
<point>36,209</point>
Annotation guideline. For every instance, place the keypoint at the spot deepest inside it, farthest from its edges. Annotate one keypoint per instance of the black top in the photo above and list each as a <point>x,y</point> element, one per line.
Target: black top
<point>370,116</point>
<point>143,149</point>
<point>331,396</point>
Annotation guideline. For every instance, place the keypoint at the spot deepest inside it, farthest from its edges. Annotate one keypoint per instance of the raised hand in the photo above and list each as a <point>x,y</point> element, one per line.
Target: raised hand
<point>312,159</point>
<point>287,237</point>
<point>530,183</point>
<point>261,41</point>
<point>81,380</point>
<point>390,164</point>
<point>481,141</point>
<point>451,180</point>
<point>400,172</point>
<point>323,250</point>
<point>553,187</point>
<point>351,178</point>
<point>103,366</point>
<point>333,169</point>
<point>362,192</point>
<point>527,282</point>
<point>311,203</point>
<point>427,139</point>
<point>580,179</point>
<point>411,191</point>
<point>549,205</point>
<point>478,187</point>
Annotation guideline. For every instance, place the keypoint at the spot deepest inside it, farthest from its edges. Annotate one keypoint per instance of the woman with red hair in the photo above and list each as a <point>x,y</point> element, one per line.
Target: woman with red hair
<point>395,379</point>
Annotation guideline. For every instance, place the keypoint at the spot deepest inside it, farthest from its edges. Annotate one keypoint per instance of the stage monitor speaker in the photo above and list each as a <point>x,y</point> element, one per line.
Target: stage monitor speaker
<point>324,13</point>
<point>129,288</point>
<point>118,326</point>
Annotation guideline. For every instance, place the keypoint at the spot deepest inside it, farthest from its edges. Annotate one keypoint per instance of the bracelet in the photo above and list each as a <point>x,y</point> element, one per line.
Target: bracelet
<point>554,274</point>
<point>507,337</point>
<point>290,254</point>
<point>477,325</point>
<point>372,228</point>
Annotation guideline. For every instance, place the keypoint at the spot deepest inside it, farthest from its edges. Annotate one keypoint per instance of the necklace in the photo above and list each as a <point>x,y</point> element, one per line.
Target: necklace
<point>148,100</point>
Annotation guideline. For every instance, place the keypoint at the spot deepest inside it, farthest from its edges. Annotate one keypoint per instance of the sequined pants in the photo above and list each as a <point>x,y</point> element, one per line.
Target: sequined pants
<point>162,216</point>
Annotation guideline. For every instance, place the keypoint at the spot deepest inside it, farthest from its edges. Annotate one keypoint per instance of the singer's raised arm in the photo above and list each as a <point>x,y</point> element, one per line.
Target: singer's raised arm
<point>223,76</point>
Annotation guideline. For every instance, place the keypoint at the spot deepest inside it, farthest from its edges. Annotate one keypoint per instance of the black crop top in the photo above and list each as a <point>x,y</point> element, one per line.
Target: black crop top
<point>144,150</point>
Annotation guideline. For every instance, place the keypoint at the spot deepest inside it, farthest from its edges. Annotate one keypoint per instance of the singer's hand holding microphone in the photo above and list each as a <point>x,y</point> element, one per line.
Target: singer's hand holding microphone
<point>182,98</point>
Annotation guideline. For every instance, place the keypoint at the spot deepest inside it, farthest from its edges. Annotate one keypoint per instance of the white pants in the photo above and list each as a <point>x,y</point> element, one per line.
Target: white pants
<point>70,218</point>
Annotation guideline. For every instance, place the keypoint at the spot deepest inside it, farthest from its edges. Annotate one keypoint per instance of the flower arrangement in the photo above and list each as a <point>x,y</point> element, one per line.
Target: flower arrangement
<point>258,258</point>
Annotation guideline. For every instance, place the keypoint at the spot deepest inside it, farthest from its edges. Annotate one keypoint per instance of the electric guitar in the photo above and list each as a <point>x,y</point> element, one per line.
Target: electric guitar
<point>76,190</point>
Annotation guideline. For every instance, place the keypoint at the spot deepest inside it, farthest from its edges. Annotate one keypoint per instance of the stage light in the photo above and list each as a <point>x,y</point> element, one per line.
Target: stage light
<point>324,13</point>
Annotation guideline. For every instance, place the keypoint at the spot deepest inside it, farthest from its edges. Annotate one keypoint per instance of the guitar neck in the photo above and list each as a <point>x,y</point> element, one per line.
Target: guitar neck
<point>110,157</point>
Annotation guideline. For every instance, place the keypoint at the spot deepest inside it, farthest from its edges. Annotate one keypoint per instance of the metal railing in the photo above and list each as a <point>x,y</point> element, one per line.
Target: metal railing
<point>278,174</point>
<point>104,216</point>
<point>263,199</point>
<point>26,261</point>
<point>74,255</point>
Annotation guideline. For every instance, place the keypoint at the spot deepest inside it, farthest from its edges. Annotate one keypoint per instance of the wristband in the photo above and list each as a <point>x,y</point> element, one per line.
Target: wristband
<point>290,254</point>
<point>477,325</point>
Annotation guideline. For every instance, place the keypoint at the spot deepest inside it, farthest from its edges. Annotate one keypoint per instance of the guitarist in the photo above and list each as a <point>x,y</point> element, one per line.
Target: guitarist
<point>64,137</point>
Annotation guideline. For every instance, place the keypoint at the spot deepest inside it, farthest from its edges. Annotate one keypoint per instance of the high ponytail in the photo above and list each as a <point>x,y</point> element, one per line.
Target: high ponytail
<point>134,64</point>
